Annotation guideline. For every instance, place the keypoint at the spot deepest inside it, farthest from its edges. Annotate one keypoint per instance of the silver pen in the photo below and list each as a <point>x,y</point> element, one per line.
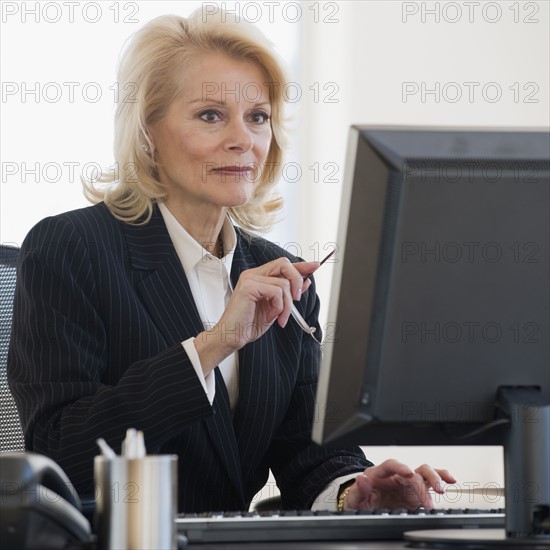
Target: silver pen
<point>296,314</point>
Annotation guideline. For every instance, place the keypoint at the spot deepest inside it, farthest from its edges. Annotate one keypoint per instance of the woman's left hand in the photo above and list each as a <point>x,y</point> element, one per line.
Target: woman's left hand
<point>394,485</point>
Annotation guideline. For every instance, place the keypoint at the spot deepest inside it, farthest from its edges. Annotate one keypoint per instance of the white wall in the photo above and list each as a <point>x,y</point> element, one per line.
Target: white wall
<point>376,47</point>
<point>350,62</point>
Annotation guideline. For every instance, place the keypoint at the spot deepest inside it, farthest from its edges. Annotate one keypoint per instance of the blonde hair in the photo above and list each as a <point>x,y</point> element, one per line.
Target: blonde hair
<point>148,76</point>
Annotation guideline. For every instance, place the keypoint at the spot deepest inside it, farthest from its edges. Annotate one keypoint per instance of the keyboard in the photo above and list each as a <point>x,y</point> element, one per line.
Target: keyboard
<point>305,525</point>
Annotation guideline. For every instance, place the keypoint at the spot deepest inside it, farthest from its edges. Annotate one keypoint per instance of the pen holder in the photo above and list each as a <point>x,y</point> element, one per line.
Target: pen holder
<point>136,502</point>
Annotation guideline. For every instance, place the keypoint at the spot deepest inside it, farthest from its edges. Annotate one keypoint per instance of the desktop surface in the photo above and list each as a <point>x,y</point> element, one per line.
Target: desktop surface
<point>338,545</point>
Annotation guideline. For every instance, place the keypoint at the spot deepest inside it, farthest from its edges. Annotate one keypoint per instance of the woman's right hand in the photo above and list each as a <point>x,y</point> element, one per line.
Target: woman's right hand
<point>262,296</point>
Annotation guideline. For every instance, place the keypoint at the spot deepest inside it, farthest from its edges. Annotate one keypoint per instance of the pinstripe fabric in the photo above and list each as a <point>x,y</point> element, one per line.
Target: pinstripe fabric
<point>100,310</point>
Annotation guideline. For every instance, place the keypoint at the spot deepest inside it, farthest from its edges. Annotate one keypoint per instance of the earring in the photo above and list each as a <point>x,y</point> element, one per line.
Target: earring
<point>146,148</point>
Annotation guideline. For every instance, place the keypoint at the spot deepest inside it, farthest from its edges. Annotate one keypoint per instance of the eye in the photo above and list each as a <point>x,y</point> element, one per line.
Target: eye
<point>210,115</point>
<point>260,117</point>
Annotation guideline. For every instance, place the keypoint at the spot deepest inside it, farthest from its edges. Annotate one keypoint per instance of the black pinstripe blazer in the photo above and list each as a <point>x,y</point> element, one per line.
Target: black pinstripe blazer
<point>100,311</point>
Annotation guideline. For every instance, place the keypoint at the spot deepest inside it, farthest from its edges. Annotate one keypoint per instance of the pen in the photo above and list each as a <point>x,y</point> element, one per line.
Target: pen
<point>327,257</point>
<point>296,314</point>
<point>107,452</point>
<point>322,262</point>
<point>134,445</point>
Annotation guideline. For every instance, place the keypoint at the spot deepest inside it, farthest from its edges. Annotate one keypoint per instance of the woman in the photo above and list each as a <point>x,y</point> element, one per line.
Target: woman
<point>124,310</point>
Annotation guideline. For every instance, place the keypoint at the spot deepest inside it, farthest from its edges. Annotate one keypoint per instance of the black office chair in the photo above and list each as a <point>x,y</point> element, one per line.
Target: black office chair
<point>11,434</point>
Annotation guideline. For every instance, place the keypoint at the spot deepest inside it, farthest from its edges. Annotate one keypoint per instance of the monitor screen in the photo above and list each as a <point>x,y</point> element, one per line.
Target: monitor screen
<point>441,285</point>
<point>440,302</point>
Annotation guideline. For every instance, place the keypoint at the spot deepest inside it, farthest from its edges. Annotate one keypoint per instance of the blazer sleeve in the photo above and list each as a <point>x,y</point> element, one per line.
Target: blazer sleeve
<point>302,468</point>
<point>58,358</point>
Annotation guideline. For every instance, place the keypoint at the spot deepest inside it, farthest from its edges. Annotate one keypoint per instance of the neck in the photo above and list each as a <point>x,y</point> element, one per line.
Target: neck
<point>204,226</point>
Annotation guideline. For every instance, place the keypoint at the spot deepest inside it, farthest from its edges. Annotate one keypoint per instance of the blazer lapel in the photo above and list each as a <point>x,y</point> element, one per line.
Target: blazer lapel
<point>259,384</point>
<point>165,290</point>
<point>166,294</point>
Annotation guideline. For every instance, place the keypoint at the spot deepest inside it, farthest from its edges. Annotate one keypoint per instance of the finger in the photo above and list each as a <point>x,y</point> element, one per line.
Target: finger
<point>257,287</point>
<point>307,284</point>
<point>446,476</point>
<point>277,291</point>
<point>416,492</point>
<point>275,267</point>
<point>424,492</point>
<point>307,269</point>
<point>271,297</point>
<point>282,267</point>
<point>431,477</point>
<point>426,499</point>
<point>359,495</point>
<point>389,468</point>
<point>287,299</point>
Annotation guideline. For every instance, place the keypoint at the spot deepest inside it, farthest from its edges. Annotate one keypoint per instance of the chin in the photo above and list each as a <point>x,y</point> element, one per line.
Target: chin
<point>235,202</point>
<point>238,198</point>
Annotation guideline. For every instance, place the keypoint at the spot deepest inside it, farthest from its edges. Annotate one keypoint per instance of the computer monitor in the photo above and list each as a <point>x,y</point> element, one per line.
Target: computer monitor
<point>440,299</point>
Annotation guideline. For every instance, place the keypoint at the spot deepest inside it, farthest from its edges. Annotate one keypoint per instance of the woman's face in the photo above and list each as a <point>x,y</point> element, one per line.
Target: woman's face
<point>214,139</point>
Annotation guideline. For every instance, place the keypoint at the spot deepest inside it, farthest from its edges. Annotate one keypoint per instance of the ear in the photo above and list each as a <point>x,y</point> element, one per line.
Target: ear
<point>147,142</point>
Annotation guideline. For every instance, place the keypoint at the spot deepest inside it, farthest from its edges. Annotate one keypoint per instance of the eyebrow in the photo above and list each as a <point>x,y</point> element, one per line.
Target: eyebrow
<point>218,102</point>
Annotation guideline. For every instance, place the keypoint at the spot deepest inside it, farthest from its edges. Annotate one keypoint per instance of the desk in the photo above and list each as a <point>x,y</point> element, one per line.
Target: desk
<point>372,545</point>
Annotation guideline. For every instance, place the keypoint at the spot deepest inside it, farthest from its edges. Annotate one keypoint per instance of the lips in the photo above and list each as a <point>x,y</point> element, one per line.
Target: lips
<point>235,170</point>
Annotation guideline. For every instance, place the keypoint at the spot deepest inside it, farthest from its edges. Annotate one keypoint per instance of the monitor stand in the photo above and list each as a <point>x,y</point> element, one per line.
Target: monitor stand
<point>526,480</point>
<point>472,539</point>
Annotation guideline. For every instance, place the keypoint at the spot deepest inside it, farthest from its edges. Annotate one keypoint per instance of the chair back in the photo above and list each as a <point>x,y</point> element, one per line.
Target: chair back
<point>11,434</point>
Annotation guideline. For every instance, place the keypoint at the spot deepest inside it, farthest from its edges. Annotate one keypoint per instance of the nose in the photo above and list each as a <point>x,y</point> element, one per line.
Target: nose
<point>239,137</point>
